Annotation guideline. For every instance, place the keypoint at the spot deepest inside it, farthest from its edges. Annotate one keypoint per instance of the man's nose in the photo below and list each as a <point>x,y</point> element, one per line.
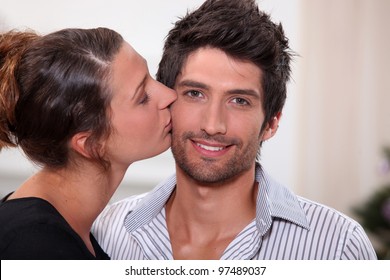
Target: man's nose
<point>214,119</point>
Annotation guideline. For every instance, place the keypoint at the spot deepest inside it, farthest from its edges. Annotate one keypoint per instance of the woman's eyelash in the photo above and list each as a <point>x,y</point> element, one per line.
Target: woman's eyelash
<point>145,99</point>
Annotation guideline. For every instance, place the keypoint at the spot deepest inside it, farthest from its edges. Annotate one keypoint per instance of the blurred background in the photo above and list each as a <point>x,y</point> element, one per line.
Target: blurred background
<point>336,122</point>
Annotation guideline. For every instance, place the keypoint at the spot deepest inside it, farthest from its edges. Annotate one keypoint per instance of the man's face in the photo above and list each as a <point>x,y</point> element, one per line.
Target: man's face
<point>217,116</point>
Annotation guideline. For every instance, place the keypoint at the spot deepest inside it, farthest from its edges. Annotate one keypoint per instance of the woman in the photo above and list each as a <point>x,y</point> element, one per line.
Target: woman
<point>81,104</point>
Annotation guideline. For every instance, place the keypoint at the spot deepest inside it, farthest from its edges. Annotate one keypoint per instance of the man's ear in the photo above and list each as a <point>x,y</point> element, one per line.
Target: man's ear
<point>78,143</point>
<point>271,127</point>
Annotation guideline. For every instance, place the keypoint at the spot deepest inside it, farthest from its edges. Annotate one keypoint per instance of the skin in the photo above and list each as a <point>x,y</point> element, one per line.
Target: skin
<point>139,112</point>
<point>215,148</point>
<point>140,119</point>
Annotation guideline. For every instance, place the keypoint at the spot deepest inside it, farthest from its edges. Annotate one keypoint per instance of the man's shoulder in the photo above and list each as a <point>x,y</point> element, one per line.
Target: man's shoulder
<point>113,217</point>
<point>317,211</point>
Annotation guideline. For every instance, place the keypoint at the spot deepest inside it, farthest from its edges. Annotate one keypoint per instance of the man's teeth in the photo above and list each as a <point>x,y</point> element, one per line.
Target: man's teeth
<point>209,148</point>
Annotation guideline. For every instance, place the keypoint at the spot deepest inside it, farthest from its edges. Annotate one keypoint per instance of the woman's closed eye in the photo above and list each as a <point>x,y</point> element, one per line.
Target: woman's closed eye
<point>144,99</point>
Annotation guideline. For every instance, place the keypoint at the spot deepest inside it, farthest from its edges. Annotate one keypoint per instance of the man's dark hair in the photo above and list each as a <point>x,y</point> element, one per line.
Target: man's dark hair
<point>238,28</point>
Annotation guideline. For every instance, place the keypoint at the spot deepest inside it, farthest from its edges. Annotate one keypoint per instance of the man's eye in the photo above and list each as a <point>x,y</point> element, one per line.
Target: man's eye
<point>240,101</point>
<point>194,93</point>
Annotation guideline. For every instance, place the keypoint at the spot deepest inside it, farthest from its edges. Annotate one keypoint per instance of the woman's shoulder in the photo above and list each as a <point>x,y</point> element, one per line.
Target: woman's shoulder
<point>26,211</point>
<point>33,229</point>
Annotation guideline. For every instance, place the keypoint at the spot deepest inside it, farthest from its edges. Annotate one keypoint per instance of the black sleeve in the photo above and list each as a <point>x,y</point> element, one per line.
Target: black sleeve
<point>43,242</point>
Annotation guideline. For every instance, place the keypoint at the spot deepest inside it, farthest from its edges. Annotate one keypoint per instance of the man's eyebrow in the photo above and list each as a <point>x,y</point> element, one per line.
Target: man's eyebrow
<point>194,84</point>
<point>249,92</point>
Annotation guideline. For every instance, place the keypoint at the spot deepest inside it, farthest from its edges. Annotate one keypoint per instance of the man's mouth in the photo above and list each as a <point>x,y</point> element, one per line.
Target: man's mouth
<point>211,148</point>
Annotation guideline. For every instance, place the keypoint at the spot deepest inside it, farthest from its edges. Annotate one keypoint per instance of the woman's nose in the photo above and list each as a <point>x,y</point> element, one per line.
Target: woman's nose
<point>167,97</point>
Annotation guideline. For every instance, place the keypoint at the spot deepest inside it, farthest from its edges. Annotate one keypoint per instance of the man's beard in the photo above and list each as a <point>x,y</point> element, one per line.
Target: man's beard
<point>208,170</point>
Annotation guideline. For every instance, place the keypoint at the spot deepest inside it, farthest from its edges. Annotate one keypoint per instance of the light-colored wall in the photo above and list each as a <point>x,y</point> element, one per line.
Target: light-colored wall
<point>343,101</point>
<point>335,120</point>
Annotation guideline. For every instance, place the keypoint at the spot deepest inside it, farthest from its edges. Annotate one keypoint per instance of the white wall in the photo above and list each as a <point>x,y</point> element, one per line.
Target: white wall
<point>144,24</point>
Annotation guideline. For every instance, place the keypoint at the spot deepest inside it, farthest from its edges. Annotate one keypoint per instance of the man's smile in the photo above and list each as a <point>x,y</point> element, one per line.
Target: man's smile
<point>210,148</point>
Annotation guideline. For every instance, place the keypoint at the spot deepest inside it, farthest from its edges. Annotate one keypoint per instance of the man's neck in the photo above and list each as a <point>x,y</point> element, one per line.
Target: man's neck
<point>203,219</point>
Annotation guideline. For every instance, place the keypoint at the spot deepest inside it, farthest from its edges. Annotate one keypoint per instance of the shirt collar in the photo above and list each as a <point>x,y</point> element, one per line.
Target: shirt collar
<point>276,201</point>
<point>150,205</point>
<point>273,200</point>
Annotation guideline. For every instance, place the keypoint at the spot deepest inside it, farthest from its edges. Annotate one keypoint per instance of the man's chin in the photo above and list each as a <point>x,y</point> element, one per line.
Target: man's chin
<point>208,174</point>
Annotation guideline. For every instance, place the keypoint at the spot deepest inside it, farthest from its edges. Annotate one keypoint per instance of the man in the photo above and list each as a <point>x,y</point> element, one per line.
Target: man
<point>229,64</point>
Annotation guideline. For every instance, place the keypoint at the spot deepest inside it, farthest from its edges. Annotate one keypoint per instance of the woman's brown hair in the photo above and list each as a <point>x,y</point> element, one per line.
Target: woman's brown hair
<point>54,86</point>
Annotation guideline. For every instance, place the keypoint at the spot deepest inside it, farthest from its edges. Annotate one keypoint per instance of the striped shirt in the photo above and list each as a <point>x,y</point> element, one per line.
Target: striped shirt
<point>286,227</point>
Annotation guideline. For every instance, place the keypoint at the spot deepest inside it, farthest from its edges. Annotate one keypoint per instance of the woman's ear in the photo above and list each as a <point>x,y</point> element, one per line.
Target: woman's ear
<point>271,127</point>
<point>78,143</point>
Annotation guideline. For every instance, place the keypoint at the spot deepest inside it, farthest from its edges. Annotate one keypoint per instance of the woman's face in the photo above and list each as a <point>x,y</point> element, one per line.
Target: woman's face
<point>140,117</point>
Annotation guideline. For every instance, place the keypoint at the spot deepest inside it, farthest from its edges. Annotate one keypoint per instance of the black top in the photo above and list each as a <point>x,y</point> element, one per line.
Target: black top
<point>32,229</point>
